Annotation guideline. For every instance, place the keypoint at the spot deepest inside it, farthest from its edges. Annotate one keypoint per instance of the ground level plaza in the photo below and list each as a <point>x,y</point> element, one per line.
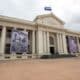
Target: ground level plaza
<point>32,69</point>
<point>46,36</point>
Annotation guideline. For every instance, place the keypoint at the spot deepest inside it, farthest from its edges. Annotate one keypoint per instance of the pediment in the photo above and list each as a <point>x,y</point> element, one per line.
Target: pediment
<point>49,19</point>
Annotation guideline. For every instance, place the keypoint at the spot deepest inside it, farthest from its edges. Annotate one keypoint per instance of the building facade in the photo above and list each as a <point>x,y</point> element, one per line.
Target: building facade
<point>46,36</point>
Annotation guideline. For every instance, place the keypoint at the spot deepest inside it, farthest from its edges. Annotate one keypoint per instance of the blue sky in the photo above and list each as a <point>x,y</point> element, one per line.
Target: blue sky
<point>67,10</point>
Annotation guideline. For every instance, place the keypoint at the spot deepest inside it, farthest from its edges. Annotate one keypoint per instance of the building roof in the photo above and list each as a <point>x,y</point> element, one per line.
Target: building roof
<point>16,20</point>
<point>49,15</point>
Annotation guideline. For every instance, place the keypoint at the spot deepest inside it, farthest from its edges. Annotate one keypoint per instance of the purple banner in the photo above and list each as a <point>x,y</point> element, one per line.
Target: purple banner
<point>19,41</point>
<point>72,44</point>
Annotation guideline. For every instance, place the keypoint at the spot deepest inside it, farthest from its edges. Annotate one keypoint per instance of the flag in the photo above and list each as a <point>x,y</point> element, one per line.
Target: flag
<point>48,8</point>
<point>19,41</point>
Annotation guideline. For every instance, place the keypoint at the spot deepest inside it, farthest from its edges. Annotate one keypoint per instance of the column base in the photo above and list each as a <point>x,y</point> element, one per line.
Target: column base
<point>13,56</point>
<point>24,56</point>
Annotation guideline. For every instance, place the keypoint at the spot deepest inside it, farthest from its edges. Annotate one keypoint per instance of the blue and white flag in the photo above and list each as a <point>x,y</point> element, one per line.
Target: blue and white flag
<point>19,41</point>
<point>48,8</point>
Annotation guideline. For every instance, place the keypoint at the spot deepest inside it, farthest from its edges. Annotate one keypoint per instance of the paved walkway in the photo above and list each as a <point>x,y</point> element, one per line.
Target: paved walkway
<point>55,69</point>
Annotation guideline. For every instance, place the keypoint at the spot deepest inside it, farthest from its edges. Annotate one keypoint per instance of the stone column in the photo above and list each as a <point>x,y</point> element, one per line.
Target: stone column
<point>47,43</point>
<point>64,43</point>
<point>33,43</point>
<point>13,54</point>
<point>3,40</point>
<point>61,41</point>
<point>24,55</point>
<point>44,41</point>
<point>78,44</point>
<point>58,43</point>
<point>39,42</point>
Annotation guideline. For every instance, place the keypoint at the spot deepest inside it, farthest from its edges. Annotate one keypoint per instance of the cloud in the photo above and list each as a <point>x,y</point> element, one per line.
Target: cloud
<point>67,10</point>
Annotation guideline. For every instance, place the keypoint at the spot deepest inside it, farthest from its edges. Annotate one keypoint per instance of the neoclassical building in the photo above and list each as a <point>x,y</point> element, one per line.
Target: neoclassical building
<point>46,36</point>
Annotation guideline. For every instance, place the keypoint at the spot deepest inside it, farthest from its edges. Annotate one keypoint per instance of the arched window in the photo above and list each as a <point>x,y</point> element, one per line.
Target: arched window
<point>51,39</point>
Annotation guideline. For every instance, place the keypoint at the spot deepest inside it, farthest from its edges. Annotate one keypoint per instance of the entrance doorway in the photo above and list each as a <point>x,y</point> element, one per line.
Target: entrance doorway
<point>52,50</point>
<point>52,44</point>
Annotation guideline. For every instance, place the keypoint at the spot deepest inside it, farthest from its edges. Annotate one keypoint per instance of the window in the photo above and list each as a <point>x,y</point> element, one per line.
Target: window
<point>79,40</point>
<point>20,29</point>
<point>9,31</point>
<point>0,31</point>
<point>7,49</point>
<point>51,40</point>
<point>18,53</point>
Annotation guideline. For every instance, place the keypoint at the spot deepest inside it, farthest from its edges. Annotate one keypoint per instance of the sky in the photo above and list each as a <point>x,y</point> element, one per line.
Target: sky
<point>66,10</point>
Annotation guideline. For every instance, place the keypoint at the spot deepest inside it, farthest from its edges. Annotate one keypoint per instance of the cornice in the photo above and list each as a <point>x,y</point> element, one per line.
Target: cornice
<point>16,20</point>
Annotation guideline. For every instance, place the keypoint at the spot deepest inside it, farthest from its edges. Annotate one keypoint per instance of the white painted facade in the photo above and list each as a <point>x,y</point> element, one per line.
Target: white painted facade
<point>41,30</point>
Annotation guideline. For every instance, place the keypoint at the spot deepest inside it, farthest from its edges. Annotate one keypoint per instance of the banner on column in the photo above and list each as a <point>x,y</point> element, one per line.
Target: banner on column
<point>19,41</point>
<point>72,42</point>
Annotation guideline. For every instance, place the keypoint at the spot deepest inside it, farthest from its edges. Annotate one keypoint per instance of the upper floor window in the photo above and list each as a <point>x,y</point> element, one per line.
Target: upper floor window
<point>51,40</point>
